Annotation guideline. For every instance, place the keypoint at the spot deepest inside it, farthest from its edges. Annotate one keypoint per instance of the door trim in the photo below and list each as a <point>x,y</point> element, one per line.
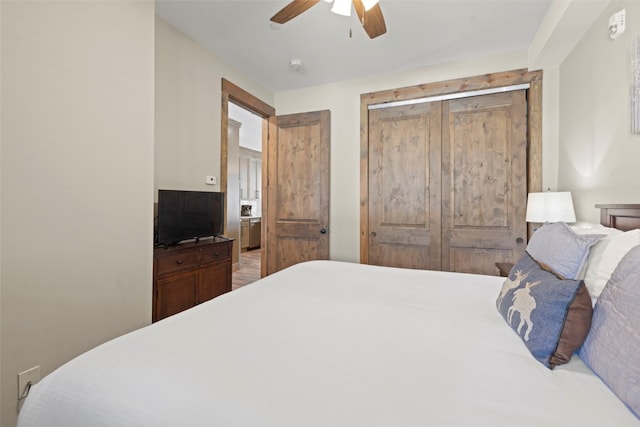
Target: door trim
<point>231,92</point>
<point>480,82</point>
<point>450,96</point>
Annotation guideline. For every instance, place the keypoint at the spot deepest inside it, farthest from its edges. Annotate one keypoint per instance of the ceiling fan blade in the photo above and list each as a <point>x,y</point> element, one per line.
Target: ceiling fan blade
<point>372,19</point>
<point>293,9</point>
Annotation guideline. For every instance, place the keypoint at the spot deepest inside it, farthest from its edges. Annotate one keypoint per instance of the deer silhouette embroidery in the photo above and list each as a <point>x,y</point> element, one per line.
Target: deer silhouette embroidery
<point>524,304</point>
<point>510,284</point>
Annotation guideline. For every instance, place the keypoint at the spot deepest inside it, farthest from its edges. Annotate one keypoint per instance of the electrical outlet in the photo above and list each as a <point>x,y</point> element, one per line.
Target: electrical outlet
<point>211,180</point>
<point>24,378</point>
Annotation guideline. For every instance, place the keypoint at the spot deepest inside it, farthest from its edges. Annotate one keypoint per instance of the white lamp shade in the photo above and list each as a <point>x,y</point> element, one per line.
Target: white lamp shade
<point>550,206</point>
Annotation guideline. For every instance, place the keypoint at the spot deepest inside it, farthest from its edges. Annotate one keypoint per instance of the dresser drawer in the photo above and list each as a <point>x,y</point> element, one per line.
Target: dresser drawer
<point>173,262</point>
<point>214,253</point>
<point>188,274</point>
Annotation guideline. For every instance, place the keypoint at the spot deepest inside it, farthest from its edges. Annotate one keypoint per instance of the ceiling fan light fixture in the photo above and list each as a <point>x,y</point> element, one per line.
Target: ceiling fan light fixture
<point>370,17</point>
<point>342,7</point>
<point>368,4</point>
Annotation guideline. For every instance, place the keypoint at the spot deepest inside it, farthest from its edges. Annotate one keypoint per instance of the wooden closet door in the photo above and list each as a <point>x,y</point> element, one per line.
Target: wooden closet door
<point>404,186</point>
<point>484,181</point>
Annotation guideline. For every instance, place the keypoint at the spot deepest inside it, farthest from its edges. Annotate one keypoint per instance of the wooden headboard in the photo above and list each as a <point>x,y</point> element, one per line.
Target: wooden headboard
<point>622,217</point>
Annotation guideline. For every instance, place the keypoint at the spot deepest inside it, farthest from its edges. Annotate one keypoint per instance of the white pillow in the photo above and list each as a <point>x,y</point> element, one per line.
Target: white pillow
<point>593,228</point>
<point>604,257</point>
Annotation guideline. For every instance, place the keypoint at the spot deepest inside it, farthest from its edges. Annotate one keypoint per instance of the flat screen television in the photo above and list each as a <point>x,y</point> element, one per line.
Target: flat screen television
<point>184,215</point>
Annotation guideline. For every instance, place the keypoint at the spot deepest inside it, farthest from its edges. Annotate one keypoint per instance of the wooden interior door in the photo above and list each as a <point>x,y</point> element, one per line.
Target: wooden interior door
<point>297,189</point>
<point>484,181</point>
<point>404,186</point>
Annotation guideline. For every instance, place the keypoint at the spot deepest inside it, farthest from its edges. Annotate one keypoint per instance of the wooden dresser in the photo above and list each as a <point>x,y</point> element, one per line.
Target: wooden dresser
<point>188,274</point>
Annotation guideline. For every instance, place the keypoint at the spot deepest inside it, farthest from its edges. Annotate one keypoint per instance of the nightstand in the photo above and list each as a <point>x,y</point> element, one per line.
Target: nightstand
<point>504,268</point>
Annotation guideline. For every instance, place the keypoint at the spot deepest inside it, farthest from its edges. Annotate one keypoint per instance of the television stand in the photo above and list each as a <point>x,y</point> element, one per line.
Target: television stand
<point>188,274</point>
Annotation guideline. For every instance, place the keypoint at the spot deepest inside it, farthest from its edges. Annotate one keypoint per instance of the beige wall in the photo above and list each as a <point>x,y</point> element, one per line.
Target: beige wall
<point>188,109</point>
<point>564,25</point>
<point>343,99</point>
<point>598,154</point>
<point>77,180</point>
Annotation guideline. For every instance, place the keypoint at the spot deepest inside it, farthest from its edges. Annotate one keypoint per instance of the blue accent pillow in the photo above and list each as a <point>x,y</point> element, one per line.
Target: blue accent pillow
<point>561,248</point>
<point>612,348</point>
<point>551,315</point>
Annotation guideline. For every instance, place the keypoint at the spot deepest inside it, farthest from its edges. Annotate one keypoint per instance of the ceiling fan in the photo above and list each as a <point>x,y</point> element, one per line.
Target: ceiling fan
<point>368,11</point>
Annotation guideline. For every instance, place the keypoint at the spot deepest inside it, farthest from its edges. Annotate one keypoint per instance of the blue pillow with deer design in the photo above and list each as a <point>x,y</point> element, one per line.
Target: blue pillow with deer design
<point>551,315</point>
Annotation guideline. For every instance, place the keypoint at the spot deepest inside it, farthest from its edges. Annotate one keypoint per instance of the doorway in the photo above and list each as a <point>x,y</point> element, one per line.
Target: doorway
<point>244,193</point>
<point>294,180</point>
<point>243,186</point>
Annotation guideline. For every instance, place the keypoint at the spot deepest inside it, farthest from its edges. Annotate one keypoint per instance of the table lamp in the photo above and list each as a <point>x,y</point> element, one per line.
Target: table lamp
<point>550,206</point>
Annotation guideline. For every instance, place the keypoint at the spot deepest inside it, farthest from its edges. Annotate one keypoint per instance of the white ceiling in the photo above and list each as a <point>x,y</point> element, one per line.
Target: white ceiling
<point>419,33</point>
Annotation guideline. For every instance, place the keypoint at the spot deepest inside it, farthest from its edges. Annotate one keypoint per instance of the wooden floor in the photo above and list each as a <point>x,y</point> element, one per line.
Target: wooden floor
<point>249,270</point>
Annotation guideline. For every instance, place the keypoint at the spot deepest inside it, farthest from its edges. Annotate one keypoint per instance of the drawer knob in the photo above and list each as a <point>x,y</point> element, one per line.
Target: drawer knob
<point>179,262</point>
<point>216,254</point>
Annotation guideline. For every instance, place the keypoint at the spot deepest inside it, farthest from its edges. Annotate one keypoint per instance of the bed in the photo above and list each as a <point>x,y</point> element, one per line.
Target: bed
<point>327,343</point>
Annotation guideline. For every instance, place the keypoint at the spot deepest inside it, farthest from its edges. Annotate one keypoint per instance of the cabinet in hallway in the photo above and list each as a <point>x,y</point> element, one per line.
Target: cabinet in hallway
<point>250,174</point>
<point>251,233</point>
<point>244,234</point>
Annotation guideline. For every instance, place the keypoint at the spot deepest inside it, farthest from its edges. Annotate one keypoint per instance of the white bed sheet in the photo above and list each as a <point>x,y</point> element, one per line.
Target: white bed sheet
<point>327,343</point>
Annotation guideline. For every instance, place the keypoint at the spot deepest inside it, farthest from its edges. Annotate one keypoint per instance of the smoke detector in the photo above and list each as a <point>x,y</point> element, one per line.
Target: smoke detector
<point>296,65</point>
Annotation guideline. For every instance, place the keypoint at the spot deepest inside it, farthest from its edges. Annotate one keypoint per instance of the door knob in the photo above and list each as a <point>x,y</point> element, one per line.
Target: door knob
<point>323,231</point>
<point>519,240</point>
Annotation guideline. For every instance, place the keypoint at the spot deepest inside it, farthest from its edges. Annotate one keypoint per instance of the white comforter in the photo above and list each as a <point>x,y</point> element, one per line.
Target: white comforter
<point>327,344</point>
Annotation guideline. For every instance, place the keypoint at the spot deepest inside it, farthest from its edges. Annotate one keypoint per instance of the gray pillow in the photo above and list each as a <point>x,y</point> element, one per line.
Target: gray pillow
<point>551,315</point>
<point>612,348</point>
<point>562,249</point>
